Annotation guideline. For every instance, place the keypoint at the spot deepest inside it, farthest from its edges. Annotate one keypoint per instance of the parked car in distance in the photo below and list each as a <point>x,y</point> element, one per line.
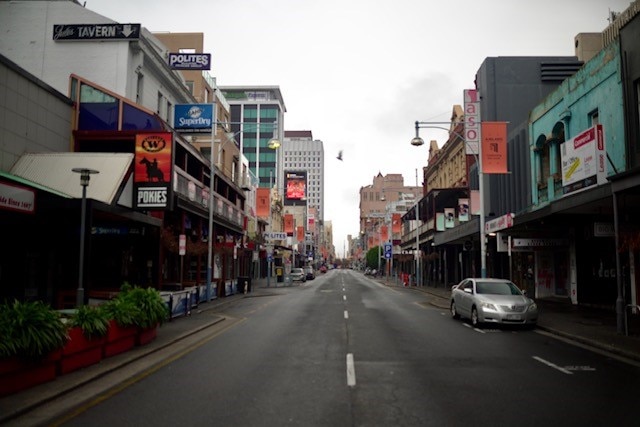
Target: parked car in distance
<point>298,275</point>
<point>497,301</point>
<point>323,269</point>
<point>309,272</point>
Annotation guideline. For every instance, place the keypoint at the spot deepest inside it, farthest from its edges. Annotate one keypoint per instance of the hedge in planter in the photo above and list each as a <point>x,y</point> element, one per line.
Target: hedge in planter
<point>121,333</point>
<point>152,311</point>
<point>32,335</point>
<point>87,335</point>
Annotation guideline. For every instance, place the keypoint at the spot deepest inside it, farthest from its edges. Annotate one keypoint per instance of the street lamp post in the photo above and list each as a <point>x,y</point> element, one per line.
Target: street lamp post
<point>418,260</point>
<point>85,176</point>
<point>417,141</point>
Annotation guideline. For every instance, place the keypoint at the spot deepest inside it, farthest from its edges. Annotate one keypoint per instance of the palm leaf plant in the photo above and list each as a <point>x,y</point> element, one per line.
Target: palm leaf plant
<point>122,311</point>
<point>152,310</point>
<point>93,321</point>
<point>30,329</point>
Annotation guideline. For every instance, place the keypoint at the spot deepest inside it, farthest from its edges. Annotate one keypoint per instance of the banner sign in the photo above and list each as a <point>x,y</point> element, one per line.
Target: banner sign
<point>152,170</point>
<point>288,224</point>
<point>494,147</point>
<point>104,32</point>
<point>472,121</point>
<point>190,61</point>
<point>583,160</point>
<point>440,221</point>
<point>263,202</point>
<point>396,223</point>
<point>463,210</point>
<point>449,217</point>
<point>384,233</point>
<point>193,118</point>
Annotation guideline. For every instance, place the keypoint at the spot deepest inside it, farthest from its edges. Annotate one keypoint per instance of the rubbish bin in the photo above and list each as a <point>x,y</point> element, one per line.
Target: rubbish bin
<point>242,281</point>
<point>280,274</point>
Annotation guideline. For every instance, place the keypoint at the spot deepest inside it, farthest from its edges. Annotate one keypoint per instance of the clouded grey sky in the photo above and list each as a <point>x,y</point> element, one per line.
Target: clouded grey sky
<point>359,73</point>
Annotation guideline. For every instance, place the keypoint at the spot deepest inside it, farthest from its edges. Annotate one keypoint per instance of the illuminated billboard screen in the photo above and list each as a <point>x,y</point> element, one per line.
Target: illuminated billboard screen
<point>295,187</point>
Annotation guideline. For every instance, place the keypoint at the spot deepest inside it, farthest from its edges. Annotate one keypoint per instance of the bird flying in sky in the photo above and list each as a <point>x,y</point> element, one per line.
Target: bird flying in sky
<point>339,155</point>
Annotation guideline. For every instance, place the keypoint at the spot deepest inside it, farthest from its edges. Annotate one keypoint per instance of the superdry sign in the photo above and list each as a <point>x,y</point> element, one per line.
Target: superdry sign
<point>194,118</point>
<point>190,61</point>
<point>75,32</point>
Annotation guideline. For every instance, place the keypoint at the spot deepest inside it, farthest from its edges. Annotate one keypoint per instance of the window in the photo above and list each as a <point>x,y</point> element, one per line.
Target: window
<point>594,118</point>
<point>189,84</point>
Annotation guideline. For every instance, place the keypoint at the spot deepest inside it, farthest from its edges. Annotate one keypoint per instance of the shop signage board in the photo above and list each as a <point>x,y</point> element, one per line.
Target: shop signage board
<point>583,160</point>
<point>104,32</point>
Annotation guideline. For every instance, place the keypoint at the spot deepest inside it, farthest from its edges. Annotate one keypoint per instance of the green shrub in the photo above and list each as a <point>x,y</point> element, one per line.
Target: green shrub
<point>30,329</point>
<point>93,321</point>
<point>123,311</point>
<point>152,310</point>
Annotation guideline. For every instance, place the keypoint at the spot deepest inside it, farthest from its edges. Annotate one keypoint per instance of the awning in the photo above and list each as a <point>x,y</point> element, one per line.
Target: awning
<point>458,234</point>
<point>32,184</point>
<point>53,171</point>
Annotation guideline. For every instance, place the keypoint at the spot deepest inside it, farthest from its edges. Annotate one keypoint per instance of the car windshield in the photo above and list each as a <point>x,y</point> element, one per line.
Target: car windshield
<point>497,288</point>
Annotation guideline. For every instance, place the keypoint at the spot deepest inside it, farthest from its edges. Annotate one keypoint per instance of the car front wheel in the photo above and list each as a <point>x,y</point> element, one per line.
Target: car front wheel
<point>454,312</point>
<point>475,321</point>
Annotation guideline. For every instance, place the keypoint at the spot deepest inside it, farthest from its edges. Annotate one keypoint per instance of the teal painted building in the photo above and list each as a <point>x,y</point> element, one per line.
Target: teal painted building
<point>577,142</point>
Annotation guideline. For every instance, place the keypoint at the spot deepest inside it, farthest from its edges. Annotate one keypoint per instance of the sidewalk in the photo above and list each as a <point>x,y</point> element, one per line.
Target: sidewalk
<point>592,327</point>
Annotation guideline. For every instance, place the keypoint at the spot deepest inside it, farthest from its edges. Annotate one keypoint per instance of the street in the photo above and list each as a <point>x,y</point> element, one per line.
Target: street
<point>344,350</point>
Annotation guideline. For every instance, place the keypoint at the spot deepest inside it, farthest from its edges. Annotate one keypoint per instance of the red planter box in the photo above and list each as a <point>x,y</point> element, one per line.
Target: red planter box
<point>17,375</point>
<point>146,335</point>
<point>80,351</point>
<point>119,339</point>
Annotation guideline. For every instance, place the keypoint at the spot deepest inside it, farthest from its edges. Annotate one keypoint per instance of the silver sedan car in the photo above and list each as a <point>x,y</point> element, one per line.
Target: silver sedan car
<point>492,301</point>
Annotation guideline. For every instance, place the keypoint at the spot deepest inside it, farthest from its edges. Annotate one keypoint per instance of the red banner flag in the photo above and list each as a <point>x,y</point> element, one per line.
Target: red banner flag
<point>262,202</point>
<point>396,223</point>
<point>494,147</point>
<point>300,236</point>
<point>384,233</point>
<point>288,224</point>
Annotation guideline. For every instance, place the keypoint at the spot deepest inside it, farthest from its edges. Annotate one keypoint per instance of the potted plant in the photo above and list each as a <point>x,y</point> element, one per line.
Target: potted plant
<point>152,311</point>
<point>121,333</point>
<point>87,334</point>
<point>32,335</point>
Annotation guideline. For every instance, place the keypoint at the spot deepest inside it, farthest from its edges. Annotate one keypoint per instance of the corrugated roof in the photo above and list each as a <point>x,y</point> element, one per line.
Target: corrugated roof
<point>54,171</point>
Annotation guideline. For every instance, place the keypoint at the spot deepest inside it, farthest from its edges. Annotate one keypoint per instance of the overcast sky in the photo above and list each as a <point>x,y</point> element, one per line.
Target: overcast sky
<point>359,73</point>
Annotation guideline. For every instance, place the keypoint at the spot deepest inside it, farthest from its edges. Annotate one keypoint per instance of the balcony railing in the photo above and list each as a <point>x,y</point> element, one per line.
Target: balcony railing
<point>197,193</point>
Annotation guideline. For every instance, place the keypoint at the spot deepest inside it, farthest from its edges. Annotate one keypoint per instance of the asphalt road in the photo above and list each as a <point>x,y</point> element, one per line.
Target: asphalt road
<point>343,350</point>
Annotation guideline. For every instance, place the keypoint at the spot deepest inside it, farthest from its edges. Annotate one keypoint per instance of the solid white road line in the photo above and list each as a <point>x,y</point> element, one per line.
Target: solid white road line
<point>351,371</point>
<point>552,365</point>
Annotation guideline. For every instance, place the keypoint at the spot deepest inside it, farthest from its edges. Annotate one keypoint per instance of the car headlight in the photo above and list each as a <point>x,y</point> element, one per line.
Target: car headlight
<point>488,306</point>
<point>533,307</point>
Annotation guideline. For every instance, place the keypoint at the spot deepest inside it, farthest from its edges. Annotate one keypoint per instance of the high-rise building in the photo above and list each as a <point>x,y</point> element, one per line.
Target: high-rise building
<point>300,152</point>
<point>257,117</point>
<point>303,158</point>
